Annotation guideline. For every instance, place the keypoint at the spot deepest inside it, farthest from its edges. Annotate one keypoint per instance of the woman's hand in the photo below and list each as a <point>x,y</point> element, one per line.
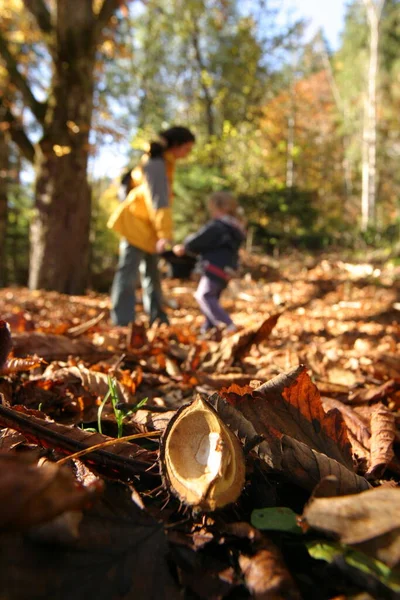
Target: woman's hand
<point>162,245</point>
<point>179,250</point>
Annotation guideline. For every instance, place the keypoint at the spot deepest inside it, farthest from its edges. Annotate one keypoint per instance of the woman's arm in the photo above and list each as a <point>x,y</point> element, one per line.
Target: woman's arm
<point>158,197</point>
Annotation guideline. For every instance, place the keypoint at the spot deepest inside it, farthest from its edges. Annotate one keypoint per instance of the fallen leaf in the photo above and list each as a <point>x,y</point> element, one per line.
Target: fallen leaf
<point>370,515</point>
<point>357,430</point>
<point>20,321</point>
<point>84,327</point>
<point>276,518</point>
<point>373,393</point>
<point>17,365</point>
<point>124,458</point>
<point>217,381</point>
<point>307,467</point>
<point>31,494</point>
<point>137,338</point>
<point>120,554</point>
<point>290,405</point>
<point>299,438</point>
<point>266,575</point>
<point>93,381</point>
<point>383,430</point>
<point>371,434</point>
<point>53,347</point>
<point>341,376</point>
<point>238,345</point>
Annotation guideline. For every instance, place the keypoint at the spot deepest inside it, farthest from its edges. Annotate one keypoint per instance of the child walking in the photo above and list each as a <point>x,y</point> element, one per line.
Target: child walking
<point>218,244</point>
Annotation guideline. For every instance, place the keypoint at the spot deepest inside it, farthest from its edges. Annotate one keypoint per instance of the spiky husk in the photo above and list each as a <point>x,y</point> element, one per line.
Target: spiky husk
<point>201,459</point>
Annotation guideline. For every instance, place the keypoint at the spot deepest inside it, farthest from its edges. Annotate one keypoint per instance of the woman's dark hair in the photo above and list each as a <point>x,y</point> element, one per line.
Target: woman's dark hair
<point>170,138</point>
<point>126,181</point>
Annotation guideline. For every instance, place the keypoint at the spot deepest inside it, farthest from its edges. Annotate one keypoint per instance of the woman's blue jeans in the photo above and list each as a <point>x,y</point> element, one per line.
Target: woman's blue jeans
<point>133,261</point>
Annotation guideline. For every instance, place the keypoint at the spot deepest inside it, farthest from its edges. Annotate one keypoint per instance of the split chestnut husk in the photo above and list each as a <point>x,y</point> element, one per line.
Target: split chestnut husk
<point>202,461</point>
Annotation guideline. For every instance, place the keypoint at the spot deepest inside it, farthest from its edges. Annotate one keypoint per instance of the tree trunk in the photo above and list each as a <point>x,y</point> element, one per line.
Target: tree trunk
<point>289,151</point>
<point>208,99</point>
<point>368,196</point>
<point>60,228</point>
<point>4,178</point>
<point>341,106</point>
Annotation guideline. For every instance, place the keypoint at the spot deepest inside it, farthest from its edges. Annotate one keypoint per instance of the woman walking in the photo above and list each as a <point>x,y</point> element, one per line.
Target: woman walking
<point>144,221</point>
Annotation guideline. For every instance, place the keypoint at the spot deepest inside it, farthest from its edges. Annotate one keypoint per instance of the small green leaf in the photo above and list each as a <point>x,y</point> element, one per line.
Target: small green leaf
<point>140,404</point>
<point>278,518</point>
<point>100,410</point>
<point>328,551</point>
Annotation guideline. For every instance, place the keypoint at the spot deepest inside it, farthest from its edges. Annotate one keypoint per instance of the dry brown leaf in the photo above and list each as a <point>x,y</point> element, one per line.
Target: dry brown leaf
<point>137,338</point>
<point>171,367</point>
<point>94,381</point>
<point>373,393</point>
<point>247,432</point>
<point>371,515</point>
<point>17,365</point>
<point>299,438</point>
<point>383,430</point>
<point>150,421</point>
<point>83,327</point>
<point>237,390</point>
<point>126,458</point>
<point>266,575</point>
<point>290,405</point>
<point>218,381</point>
<point>387,365</point>
<point>121,553</point>
<point>344,377</point>
<point>306,467</point>
<point>238,345</point>
<point>63,529</point>
<point>357,430</point>
<point>32,494</point>
<point>371,435</point>
<point>20,321</point>
<point>53,347</point>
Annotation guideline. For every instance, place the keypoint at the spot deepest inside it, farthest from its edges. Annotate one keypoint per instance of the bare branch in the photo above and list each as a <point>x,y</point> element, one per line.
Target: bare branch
<point>10,123</point>
<point>106,12</point>
<point>41,13</point>
<point>37,108</point>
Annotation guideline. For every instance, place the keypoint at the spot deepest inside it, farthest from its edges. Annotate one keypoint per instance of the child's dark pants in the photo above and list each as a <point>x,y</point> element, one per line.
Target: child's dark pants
<point>207,295</point>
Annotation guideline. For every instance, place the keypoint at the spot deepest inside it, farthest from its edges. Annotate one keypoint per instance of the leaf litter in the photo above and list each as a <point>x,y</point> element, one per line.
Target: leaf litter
<point>309,386</point>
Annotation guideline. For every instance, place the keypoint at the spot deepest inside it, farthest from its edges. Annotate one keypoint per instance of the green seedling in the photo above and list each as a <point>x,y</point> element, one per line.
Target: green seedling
<point>119,414</point>
<point>88,429</point>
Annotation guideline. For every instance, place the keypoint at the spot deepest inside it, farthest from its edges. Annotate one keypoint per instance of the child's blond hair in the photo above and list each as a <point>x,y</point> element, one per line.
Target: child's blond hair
<point>224,201</point>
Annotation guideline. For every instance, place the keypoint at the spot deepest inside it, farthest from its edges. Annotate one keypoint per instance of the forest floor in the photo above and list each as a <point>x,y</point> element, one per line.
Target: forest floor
<point>318,515</point>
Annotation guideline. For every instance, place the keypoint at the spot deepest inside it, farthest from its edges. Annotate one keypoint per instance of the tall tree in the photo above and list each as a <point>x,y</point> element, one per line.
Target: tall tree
<point>71,31</point>
<point>368,196</point>
<point>4,174</point>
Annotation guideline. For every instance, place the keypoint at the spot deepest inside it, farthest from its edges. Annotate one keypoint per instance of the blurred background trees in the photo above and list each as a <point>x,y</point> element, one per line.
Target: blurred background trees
<point>279,121</point>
